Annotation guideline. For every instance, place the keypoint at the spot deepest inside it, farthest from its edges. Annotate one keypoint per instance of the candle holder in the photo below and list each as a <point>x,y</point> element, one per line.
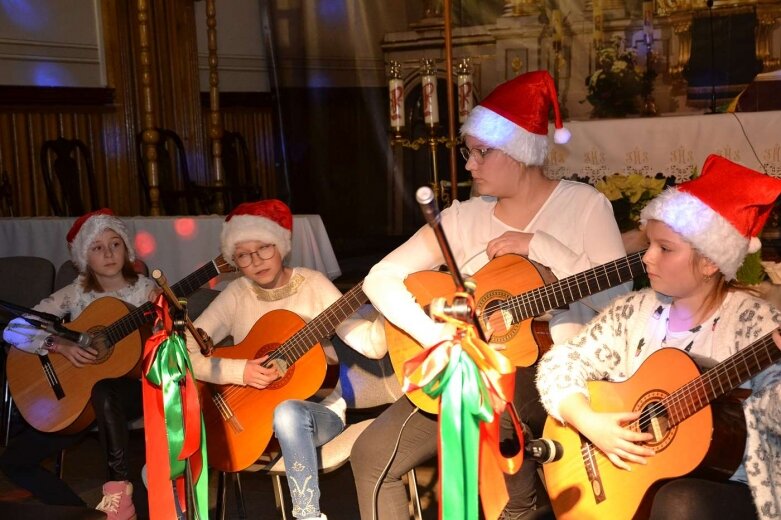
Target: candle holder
<point>427,69</point>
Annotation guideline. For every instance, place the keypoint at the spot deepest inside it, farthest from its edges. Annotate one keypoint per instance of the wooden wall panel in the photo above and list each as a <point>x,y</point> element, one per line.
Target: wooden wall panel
<point>23,130</point>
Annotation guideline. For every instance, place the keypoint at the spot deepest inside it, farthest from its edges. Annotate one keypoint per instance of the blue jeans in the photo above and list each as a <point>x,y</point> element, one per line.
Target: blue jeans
<point>300,427</point>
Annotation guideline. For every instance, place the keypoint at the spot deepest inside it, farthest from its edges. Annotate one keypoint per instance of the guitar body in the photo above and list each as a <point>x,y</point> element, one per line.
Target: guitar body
<point>514,274</point>
<point>585,485</point>
<point>32,392</point>
<point>235,445</point>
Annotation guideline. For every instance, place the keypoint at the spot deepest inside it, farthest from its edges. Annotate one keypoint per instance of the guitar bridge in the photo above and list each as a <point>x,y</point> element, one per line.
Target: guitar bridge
<point>226,412</point>
<point>592,469</point>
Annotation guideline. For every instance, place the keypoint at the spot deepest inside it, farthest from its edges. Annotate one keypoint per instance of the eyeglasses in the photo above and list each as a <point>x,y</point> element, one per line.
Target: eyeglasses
<point>478,153</point>
<point>264,253</point>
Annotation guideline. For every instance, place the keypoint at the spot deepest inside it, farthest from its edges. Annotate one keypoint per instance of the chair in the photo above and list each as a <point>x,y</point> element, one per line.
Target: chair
<point>240,186</point>
<point>366,384</point>
<point>24,281</point>
<point>68,173</point>
<point>67,272</point>
<point>179,195</point>
<point>199,300</point>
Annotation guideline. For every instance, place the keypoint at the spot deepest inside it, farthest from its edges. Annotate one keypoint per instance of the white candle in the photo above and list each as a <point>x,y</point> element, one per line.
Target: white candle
<point>396,91</point>
<point>430,103</point>
<point>465,98</point>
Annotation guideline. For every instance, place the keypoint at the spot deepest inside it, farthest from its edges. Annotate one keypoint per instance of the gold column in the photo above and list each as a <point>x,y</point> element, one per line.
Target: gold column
<point>150,136</point>
<point>215,121</point>
<point>682,25</point>
<point>766,20</point>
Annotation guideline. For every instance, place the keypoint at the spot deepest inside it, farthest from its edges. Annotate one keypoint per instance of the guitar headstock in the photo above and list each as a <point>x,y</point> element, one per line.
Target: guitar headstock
<point>222,265</point>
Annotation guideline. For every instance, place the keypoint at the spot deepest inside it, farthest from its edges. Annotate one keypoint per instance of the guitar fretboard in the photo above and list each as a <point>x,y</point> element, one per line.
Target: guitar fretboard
<point>322,326</point>
<point>145,313</point>
<point>721,379</point>
<point>573,288</point>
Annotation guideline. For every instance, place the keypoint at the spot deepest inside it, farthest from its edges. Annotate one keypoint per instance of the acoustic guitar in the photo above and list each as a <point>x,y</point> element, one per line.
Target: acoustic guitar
<point>696,419</point>
<point>239,419</point>
<point>506,318</point>
<point>53,395</point>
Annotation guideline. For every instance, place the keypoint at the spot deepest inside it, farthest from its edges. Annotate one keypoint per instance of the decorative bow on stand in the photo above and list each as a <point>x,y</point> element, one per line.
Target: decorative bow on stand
<point>174,430</point>
<point>475,385</point>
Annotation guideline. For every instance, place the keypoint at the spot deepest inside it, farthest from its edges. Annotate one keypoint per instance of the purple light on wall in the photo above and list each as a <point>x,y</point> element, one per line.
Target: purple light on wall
<point>29,14</point>
<point>331,11</point>
<point>51,75</point>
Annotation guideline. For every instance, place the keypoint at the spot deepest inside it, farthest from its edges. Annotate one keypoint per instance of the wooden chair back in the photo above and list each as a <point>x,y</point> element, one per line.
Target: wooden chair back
<point>69,177</point>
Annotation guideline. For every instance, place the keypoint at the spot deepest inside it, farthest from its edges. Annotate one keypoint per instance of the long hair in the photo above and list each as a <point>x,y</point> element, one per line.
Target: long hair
<point>91,283</point>
<point>722,286</point>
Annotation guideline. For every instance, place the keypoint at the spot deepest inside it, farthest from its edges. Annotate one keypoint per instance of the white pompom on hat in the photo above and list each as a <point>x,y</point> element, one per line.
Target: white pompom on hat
<point>86,229</point>
<point>269,221</point>
<point>721,212</point>
<point>514,118</point>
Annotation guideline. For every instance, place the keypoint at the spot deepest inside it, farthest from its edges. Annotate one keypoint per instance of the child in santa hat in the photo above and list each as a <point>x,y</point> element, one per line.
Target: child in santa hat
<point>566,226</point>
<point>256,237</point>
<point>700,233</point>
<point>103,253</point>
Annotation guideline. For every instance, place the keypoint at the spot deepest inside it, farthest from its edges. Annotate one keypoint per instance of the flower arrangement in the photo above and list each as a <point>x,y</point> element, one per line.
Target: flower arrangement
<point>615,86</point>
<point>629,194</point>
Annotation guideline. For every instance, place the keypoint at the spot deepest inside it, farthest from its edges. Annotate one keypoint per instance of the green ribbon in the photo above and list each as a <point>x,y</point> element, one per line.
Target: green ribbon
<point>464,403</point>
<point>169,371</point>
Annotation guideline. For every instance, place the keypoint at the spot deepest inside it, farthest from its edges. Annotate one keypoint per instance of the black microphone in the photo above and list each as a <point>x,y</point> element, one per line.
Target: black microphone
<point>540,450</point>
<point>81,339</point>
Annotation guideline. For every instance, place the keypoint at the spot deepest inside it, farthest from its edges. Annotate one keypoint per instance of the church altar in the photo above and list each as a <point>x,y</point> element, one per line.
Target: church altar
<point>672,145</point>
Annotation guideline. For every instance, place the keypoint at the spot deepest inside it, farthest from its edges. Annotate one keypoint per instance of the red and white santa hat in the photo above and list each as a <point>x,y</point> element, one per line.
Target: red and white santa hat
<point>721,212</point>
<point>268,221</point>
<point>514,118</point>
<point>86,229</point>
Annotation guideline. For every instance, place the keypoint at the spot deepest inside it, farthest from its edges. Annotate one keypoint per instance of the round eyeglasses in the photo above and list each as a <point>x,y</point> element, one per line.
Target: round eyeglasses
<point>478,153</point>
<point>263,253</point>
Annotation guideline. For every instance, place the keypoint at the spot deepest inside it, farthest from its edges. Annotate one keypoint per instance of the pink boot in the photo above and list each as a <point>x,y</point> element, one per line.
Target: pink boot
<point>117,500</point>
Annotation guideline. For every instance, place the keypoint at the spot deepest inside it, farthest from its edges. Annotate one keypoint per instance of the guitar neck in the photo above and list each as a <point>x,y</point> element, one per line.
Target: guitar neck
<point>145,313</point>
<point>721,379</point>
<point>576,287</point>
<point>322,326</point>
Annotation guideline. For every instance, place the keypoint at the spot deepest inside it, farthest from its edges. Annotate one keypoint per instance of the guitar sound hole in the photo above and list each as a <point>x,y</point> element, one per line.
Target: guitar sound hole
<point>654,420</point>
<point>101,344</point>
<point>497,321</point>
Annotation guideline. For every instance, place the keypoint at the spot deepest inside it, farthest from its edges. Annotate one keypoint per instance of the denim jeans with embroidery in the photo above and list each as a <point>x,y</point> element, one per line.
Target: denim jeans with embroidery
<point>300,427</point>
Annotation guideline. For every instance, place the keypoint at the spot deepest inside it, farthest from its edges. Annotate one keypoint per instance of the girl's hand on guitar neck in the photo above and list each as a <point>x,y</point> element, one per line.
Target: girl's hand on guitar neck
<point>258,376</point>
<point>777,338</point>
<point>78,356</point>
<point>509,242</point>
<point>608,431</point>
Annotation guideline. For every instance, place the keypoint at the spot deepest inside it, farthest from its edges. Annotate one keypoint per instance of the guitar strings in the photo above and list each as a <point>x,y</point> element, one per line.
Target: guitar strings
<point>697,387</point>
<point>590,454</point>
<point>304,339</point>
<point>523,302</point>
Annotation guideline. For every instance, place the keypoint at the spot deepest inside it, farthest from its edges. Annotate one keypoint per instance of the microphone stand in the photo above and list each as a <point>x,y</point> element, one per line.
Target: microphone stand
<point>18,311</point>
<point>460,308</point>
<point>180,322</point>
<point>709,3</point>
